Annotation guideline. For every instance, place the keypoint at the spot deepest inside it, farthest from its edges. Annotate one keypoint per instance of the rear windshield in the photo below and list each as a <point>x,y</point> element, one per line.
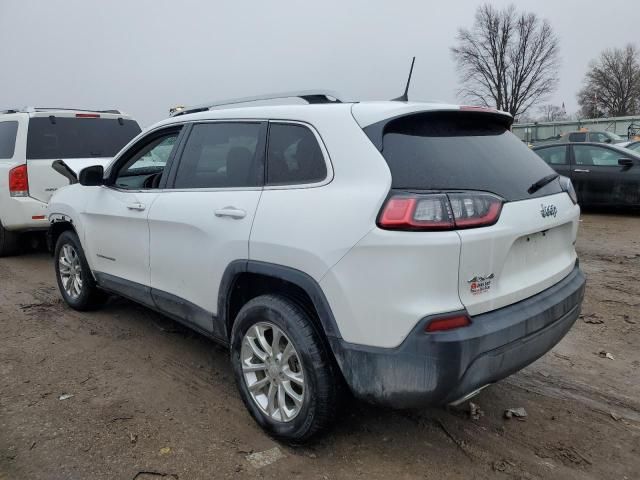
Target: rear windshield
<point>65,137</point>
<point>461,151</point>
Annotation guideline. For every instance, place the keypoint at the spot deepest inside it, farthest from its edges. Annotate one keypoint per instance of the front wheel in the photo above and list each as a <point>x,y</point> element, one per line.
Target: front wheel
<point>74,277</point>
<point>282,368</point>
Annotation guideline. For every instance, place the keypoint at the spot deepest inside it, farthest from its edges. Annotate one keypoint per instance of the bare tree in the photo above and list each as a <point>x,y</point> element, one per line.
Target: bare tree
<point>552,113</point>
<point>507,60</point>
<point>612,84</point>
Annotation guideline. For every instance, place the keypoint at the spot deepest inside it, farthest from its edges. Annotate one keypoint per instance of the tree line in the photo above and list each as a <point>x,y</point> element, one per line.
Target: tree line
<point>509,60</point>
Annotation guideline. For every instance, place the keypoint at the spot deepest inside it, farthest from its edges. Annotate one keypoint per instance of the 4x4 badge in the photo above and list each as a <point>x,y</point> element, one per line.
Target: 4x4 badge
<point>548,210</point>
<point>480,284</point>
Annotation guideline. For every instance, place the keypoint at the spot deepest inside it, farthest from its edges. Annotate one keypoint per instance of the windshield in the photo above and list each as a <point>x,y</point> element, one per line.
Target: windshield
<point>69,137</point>
<point>462,151</point>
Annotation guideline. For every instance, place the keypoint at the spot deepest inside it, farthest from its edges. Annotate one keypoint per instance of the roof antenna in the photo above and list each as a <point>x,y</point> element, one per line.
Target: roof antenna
<point>405,95</point>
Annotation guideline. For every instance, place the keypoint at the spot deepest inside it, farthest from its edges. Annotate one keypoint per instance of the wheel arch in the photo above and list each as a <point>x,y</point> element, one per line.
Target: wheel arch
<point>59,224</point>
<point>247,279</point>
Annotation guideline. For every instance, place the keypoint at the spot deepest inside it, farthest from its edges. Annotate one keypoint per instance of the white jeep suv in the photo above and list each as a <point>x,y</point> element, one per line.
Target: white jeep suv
<point>416,252</point>
<point>31,139</point>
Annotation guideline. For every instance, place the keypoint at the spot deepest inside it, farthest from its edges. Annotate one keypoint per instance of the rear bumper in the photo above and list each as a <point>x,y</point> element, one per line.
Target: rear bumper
<point>440,368</point>
<point>18,214</point>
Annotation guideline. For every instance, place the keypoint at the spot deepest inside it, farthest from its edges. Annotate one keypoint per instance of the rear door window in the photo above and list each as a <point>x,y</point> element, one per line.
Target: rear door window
<point>223,155</point>
<point>592,155</point>
<point>294,156</point>
<point>461,151</point>
<point>578,137</point>
<point>553,155</point>
<point>8,132</point>
<point>72,137</point>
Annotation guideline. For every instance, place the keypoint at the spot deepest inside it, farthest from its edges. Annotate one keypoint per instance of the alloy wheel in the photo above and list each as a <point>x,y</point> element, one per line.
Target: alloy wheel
<point>70,270</point>
<point>272,371</point>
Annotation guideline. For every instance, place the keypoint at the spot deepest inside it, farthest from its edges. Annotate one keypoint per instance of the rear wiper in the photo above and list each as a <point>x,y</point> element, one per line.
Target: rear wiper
<point>542,182</point>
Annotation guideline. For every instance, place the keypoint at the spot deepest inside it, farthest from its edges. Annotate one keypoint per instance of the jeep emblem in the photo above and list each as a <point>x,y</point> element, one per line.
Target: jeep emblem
<point>548,210</point>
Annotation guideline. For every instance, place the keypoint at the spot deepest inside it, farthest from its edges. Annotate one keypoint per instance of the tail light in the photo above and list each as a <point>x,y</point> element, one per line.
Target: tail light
<point>567,187</point>
<point>19,181</point>
<point>440,211</point>
<point>447,323</point>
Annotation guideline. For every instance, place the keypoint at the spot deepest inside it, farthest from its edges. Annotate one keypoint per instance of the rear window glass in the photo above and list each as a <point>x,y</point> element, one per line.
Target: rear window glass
<point>67,137</point>
<point>8,131</point>
<point>577,137</point>
<point>461,151</point>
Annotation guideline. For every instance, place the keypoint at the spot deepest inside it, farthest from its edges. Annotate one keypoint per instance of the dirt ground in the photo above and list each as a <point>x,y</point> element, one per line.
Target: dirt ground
<point>150,396</point>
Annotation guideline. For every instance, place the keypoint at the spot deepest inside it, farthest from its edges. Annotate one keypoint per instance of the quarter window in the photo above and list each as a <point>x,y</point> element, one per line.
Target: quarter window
<point>219,155</point>
<point>578,137</point>
<point>598,156</point>
<point>8,131</point>
<point>553,155</point>
<point>294,156</point>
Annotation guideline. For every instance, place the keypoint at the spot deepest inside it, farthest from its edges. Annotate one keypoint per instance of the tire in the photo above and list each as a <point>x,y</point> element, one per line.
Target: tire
<point>71,265</point>
<point>317,396</point>
<point>9,242</point>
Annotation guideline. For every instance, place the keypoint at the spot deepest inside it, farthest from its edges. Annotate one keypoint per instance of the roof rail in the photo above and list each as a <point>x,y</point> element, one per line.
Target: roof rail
<point>310,96</point>
<point>46,109</point>
<point>9,110</point>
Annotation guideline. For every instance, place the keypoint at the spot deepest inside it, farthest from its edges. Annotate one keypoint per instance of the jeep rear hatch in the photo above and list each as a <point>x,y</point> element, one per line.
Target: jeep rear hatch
<point>81,139</point>
<point>512,248</point>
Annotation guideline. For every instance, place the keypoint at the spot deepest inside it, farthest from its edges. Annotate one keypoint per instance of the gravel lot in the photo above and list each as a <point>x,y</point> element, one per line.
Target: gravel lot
<point>150,396</point>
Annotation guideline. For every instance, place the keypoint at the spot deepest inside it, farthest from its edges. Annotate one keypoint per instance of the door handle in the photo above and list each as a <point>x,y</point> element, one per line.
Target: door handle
<point>136,206</point>
<point>232,212</point>
<point>581,170</point>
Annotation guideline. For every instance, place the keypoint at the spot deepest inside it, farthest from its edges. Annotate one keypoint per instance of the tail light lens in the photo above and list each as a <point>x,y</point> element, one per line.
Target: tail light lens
<point>440,211</point>
<point>567,187</point>
<point>448,323</point>
<point>19,181</point>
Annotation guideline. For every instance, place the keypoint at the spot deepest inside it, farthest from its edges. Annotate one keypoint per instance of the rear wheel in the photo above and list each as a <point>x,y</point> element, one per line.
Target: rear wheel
<point>9,242</point>
<point>75,281</point>
<point>283,371</point>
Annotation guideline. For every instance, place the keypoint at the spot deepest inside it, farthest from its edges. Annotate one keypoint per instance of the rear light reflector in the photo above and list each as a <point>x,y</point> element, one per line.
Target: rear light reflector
<point>19,181</point>
<point>449,323</point>
<point>37,217</point>
<point>440,211</point>
<point>415,213</point>
<point>87,115</point>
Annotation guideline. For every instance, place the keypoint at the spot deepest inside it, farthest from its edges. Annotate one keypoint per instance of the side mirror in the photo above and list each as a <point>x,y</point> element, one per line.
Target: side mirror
<point>608,140</point>
<point>91,176</point>
<point>626,162</point>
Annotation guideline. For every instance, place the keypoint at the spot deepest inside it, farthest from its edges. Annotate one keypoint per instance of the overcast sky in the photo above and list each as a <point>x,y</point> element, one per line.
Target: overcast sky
<point>143,56</point>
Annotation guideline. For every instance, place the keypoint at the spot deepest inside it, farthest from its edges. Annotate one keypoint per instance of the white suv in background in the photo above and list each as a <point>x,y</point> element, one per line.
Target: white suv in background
<point>417,252</point>
<point>31,139</point>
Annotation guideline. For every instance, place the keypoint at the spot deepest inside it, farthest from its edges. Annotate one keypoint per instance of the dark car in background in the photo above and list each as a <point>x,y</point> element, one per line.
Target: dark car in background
<point>588,136</point>
<point>635,146</point>
<point>602,174</point>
